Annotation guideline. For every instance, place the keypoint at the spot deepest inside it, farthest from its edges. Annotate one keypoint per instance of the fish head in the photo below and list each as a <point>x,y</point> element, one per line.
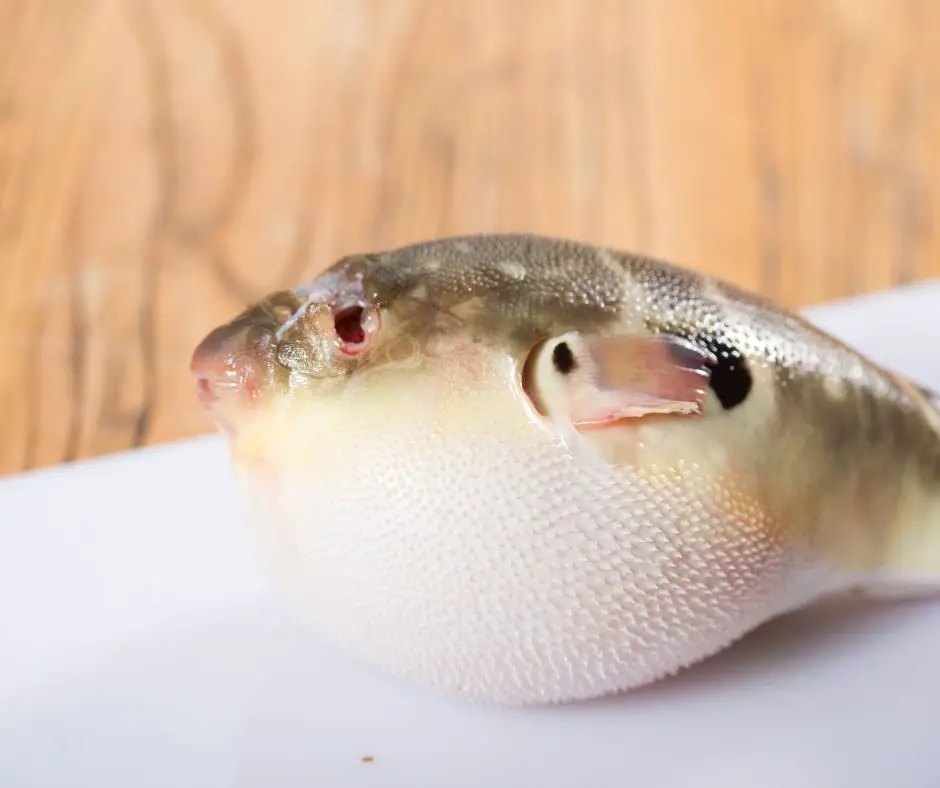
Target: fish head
<point>360,350</point>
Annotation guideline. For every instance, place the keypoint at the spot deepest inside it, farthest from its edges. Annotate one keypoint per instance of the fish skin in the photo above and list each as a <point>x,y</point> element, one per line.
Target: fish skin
<point>684,535</point>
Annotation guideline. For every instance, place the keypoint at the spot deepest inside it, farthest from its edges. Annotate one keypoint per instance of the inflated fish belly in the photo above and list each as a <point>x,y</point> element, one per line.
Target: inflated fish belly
<point>529,470</point>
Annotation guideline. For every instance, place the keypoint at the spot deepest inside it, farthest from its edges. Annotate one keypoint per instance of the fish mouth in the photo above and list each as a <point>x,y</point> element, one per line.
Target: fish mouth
<point>234,362</point>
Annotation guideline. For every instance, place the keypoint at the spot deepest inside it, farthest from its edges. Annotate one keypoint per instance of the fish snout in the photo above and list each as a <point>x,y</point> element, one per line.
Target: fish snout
<point>232,363</point>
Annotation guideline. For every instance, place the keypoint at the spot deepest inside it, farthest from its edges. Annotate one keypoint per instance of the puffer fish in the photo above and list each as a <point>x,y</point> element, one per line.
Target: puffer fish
<point>528,470</point>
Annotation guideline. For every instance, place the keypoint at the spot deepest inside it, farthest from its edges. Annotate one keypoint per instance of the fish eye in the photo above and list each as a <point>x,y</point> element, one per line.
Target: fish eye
<point>546,357</point>
<point>355,326</point>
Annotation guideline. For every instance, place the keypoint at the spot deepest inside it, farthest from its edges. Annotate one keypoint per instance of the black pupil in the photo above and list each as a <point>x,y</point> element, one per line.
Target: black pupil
<point>348,323</point>
<point>563,358</point>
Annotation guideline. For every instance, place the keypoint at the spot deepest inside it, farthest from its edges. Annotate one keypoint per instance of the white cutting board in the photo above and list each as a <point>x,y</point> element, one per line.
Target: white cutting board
<point>139,647</point>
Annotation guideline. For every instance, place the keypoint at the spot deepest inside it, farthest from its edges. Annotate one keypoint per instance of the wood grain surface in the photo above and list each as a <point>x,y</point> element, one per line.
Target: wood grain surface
<point>162,163</point>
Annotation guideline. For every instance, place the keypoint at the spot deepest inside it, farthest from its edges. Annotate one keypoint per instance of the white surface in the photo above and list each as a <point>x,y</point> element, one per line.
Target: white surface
<point>139,647</point>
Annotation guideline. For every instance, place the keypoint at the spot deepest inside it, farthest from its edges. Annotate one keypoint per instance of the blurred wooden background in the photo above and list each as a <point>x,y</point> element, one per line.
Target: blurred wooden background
<point>162,162</point>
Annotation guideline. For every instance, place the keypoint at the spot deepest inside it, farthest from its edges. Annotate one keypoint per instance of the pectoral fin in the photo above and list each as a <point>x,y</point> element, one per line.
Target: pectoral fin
<point>631,377</point>
<point>594,381</point>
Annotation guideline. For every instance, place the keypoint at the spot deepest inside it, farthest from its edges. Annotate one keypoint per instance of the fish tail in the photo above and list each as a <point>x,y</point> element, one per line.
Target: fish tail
<point>909,564</point>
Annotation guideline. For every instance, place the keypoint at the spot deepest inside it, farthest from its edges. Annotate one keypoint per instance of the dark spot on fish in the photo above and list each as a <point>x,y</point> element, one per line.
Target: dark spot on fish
<point>563,358</point>
<point>729,377</point>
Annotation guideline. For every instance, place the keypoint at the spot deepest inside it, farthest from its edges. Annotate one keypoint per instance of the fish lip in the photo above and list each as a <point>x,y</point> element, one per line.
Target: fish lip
<point>205,392</point>
<point>208,393</point>
<point>208,387</point>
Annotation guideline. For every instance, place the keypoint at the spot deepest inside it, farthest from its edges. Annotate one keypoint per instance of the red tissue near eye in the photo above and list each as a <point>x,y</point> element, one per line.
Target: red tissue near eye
<point>348,324</point>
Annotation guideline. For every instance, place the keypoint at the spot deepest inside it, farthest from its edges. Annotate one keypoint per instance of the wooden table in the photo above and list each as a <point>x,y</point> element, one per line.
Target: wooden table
<point>163,163</point>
